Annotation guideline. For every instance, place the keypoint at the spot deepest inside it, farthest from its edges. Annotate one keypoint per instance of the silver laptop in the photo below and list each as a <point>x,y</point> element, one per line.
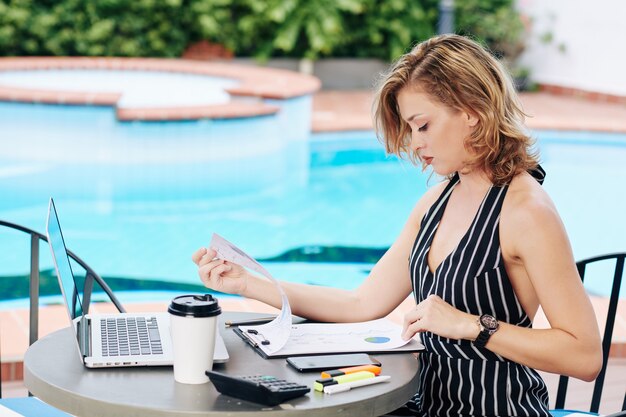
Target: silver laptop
<point>112,340</point>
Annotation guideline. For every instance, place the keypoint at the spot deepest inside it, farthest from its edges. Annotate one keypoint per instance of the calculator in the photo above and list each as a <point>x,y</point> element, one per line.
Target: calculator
<point>263,389</point>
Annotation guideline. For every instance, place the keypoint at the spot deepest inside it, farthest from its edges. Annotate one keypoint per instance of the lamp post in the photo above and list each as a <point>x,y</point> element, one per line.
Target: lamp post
<point>446,17</point>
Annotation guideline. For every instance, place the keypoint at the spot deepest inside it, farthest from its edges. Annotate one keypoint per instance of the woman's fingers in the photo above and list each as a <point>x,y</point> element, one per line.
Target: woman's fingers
<point>437,316</point>
<point>420,319</point>
<point>209,258</point>
<point>411,325</point>
<point>197,255</point>
<point>412,330</point>
<point>217,272</point>
<point>203,255</point>
<point>206,270</point>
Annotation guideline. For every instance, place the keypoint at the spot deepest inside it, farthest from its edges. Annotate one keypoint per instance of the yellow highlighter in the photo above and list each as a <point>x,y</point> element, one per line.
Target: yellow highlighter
<point>355,376</point>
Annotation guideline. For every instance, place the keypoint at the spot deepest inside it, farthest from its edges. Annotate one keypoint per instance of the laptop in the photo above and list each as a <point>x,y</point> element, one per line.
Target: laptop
<point>118,339</point>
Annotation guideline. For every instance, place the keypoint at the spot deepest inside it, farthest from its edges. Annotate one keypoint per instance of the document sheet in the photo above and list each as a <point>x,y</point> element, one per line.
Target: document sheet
<point>379,335</point>
<point>278,329</point>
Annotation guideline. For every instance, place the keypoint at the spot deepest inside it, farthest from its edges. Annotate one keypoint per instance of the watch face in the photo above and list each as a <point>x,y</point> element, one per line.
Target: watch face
<point>489,322</point>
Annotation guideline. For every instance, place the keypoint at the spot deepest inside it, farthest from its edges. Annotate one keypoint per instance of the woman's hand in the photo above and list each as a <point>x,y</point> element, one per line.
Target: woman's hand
<point>436,316</point>
<point>218,274</point>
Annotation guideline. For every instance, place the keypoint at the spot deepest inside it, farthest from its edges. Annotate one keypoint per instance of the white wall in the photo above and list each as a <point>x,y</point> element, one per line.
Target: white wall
<point>594,35</point>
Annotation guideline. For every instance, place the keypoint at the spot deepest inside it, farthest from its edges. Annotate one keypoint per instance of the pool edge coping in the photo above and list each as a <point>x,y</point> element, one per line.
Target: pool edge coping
<point>256,85</point>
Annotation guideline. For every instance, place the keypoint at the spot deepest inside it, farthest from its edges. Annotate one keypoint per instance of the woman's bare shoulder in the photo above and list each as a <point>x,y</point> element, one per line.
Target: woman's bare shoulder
<point>526,197</point>
<point>527,213</point>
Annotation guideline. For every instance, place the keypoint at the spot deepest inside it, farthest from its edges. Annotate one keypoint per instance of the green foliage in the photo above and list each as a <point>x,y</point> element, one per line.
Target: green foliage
<point>213,20</point>
<point>495,23</point>
<point>351,28</point>
<point>303,28</point>
<point>96,28</point>
<point>261,28</point>
<point>388,28</point>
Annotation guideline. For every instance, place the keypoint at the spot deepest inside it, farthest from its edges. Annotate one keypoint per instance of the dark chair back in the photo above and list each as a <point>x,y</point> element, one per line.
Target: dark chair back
<point>618,273</point>
<point>91,278</point>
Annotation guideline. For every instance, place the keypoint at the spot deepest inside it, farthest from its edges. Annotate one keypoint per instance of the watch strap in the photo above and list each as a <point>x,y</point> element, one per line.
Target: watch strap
<point>482,338</point>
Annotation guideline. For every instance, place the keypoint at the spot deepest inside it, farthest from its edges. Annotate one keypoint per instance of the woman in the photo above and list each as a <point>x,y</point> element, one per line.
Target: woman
<point>480,252</point>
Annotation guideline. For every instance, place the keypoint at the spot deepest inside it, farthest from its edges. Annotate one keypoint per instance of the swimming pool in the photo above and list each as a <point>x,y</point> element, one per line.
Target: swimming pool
<point>142,218</point>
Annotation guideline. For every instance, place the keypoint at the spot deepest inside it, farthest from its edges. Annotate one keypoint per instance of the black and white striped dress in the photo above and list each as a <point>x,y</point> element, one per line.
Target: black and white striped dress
<point>457,378</point>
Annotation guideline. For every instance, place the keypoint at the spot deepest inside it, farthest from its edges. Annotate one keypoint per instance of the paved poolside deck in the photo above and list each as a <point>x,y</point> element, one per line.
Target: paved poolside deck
<point>343,111</point>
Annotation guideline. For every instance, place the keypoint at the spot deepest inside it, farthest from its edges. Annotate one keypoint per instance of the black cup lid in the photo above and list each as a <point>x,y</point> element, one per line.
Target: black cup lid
<point>194,306</point>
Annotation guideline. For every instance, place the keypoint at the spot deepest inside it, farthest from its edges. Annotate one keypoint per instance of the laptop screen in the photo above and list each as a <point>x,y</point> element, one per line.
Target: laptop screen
<point>62,264</point>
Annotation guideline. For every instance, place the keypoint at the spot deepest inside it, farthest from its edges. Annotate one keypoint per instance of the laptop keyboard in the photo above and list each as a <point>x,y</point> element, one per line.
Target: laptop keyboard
<point>126,336</point>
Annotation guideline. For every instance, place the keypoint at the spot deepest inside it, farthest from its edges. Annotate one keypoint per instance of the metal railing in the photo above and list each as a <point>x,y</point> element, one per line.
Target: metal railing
<point>91,277</point>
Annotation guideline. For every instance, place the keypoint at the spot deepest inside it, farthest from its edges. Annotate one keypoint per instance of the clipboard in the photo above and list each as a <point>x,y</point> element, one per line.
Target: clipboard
<point>330,349</point>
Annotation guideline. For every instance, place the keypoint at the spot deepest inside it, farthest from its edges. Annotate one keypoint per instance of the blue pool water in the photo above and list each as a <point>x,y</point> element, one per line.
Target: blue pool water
<point>138,204</point>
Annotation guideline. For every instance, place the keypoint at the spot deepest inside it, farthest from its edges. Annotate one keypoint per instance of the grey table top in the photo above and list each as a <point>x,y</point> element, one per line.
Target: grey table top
<point>54,373</point>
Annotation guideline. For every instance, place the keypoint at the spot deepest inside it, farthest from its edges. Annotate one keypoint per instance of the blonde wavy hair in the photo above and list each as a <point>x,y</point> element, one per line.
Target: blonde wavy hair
<point>460,74</point>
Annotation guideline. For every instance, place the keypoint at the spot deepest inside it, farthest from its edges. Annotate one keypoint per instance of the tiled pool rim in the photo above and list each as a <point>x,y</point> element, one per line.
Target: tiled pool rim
<point>256,84</point>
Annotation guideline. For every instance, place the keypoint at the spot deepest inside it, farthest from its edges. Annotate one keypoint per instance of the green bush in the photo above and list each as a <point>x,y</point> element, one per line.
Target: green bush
<point>301,28</point>
<point>261,28</point>
<point>105,27</point>
<point>496,23</point>
<point>381,29</point>
<point>388,28</point>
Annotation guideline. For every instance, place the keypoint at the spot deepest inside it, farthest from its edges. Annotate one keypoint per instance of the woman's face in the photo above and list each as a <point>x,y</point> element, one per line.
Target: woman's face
<point>438,133</point>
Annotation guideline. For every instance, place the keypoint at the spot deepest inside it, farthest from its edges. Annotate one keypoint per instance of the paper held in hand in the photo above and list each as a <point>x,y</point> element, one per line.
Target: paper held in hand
<point>278,329</point>
<point>279,338</point>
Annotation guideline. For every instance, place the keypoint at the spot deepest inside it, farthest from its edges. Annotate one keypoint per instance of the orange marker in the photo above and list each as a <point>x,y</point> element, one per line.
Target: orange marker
<point>343,371</point>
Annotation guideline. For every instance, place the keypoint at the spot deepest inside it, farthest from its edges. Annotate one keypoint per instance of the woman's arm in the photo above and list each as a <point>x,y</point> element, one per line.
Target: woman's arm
<point>572,345</point>
<point>387,285</point>
<point>533,238</point>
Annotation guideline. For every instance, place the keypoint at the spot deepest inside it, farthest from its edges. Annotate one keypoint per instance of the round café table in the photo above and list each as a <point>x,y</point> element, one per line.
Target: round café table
<point>53,371</point>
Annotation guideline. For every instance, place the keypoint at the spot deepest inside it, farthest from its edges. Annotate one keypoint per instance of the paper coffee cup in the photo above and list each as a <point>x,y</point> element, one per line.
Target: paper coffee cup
<point>193,326</point>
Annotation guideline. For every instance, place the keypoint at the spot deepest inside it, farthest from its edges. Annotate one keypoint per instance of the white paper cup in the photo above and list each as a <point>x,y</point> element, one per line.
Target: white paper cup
<point>193,326</point>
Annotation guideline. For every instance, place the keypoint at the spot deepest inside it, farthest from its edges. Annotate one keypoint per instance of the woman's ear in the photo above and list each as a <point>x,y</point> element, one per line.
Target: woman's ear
<point>472,119</point>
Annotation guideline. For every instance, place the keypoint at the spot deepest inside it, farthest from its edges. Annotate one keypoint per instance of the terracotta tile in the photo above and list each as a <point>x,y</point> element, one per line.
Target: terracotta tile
<point>7,371</point>
<point>18,371</point>
<point>592,96</point>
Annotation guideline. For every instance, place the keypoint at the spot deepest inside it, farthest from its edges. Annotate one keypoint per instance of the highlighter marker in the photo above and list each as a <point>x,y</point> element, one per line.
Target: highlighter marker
<point>334,389</point>
<point>343,371</point>
<point>342,379</point>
